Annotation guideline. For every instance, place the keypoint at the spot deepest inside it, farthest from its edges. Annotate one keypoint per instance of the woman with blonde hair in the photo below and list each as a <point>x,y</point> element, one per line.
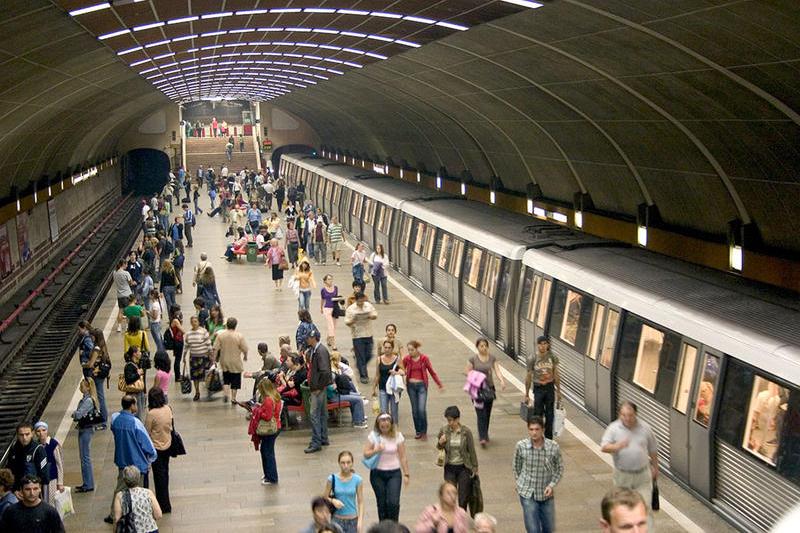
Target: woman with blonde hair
<point>169,283</point>
<point>84,415</point>
<point>264,428</point>
<point>306,282</point>
<point>391,471</point>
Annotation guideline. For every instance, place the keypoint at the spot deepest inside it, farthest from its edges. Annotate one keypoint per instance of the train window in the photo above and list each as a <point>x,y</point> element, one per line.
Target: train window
<point>420,240</point>
<point>686,371</point>
<point>473,266</point>
<point>704,404</point>
<point>354,200</point>
<point>530,290</point>
<point>765,419</point>
<point>505,283</point>
<point>406,230</point>
<point>360,205</point>
<point>572,315</point>
<point>645,374</point>
<point>443,261</point>
<point>455,261</point>
<point>490,279</point>
<point>386,227</point>
<point>369,211</point>
<point>598,314</point>
<point>337,191</point>
<point>431,233</point>
<point>381,216</point>
<point>544,303</point>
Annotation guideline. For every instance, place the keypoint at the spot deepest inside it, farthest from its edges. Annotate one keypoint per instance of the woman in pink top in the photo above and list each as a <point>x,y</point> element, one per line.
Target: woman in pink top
<point>163,371</point>
<point>275,255</point>
<point>391,471</point>
<point>445,516</point>
<point>418,366</point>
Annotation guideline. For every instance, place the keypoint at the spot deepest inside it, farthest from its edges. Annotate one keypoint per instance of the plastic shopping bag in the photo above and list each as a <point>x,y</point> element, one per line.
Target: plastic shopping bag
<point>558,421</point>
<point>64,503</point>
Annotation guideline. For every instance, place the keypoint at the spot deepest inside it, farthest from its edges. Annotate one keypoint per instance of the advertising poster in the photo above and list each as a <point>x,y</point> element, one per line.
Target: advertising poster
<point>53,217</point>
<point>5,253</point>
<point>22,238</point>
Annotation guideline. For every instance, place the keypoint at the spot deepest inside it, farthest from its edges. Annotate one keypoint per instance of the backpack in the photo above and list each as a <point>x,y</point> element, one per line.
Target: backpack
<point>178,261</point>
<point>102,368</point>
<point>168,248</point>
<point>343,384</point>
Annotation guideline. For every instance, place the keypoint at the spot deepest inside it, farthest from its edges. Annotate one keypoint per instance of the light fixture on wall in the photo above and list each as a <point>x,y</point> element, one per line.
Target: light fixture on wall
<point>646,217</point>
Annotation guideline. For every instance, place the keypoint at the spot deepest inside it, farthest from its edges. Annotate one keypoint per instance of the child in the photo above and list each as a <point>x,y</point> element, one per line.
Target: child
<point>163,371</point>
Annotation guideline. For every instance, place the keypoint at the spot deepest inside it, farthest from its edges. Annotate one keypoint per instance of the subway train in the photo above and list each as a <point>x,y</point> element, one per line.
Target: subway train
<point>711,360</point>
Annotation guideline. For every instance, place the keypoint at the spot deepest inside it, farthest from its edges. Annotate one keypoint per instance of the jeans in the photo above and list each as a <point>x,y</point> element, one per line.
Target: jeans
<point>99,384</point>
<point>348,525</point>
<point>461,477</point>
<point>210,294</point>
<point>304,299</point>
<point>388,405</point>
<point>484,417</point>
<point>169,296</point>
<point>418,394</point>
<point>356,407</point>
<point>540,517</point>
<point>161,479</point>
<point>363,348</point>
<point>155,331</point>
<point>358,272</point>
<point>309,247</point>
<point>320,252</point>
<point>319,418</point>
<point>267,450</point>
<point>544,402</point>
<point>380,288</point>
<point>187,231</point>
<point>85,451</point>
<point>141,403</point>
<point>387,484</point>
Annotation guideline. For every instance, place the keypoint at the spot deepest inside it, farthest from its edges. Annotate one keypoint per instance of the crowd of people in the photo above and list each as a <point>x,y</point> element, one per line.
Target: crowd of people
<point>203,351</point>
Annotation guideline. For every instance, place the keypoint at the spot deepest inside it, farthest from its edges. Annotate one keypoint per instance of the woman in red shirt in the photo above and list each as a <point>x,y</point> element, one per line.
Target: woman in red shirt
<point>418,366</point>
<point>268,411</point>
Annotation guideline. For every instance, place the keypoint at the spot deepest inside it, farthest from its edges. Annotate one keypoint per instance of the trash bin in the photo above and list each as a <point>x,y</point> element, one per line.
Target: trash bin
<point>252,252</point>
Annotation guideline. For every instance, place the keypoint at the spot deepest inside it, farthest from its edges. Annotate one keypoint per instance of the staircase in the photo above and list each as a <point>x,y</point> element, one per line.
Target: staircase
<point>210,151</point>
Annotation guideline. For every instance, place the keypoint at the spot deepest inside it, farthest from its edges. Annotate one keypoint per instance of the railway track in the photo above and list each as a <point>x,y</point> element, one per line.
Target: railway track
<point>31,371</point>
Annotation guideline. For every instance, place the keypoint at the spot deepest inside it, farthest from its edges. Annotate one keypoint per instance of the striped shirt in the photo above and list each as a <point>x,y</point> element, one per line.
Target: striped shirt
<point>335,233</point>
<point>537,468</point>
<point>197,343</point>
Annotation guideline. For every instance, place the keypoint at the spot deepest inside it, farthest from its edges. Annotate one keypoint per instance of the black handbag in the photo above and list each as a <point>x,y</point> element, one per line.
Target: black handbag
<point>169,341</point>
<point>176,447</point>
<point>655,504</point>
<point>186,385</point>
<point>338,310</point>
<point>126,523</point>
<point>486,394</point>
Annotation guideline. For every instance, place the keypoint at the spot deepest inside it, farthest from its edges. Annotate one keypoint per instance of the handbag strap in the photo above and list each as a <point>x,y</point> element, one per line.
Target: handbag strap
<point>173,418</point>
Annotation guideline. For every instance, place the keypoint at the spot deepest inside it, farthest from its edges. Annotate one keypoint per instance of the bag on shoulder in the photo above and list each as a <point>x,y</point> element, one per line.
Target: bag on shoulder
<point>266,427</point>
<point>130,381</point>
<point>169,341</point>
<point>102,368</point>
<point>126,523</point>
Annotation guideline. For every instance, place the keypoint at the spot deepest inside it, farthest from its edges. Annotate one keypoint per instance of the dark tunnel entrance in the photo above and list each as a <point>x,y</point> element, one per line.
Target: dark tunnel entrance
<point>145,170</point>
<point>289,149</point>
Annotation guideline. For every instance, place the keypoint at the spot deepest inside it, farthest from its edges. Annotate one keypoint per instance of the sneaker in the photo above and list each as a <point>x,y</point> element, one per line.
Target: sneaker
<point>265,482</point>
<point>108,520</point>
<point>364,380</point>
<point>119,328</point>
<point>362,425</point>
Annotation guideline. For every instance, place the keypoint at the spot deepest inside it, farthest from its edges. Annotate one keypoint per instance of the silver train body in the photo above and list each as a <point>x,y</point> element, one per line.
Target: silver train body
<point>712,361</point>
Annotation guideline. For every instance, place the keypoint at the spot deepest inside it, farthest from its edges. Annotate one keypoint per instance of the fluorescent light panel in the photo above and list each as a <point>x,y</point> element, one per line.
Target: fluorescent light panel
<point>90,9</point>
<point>524,3</point>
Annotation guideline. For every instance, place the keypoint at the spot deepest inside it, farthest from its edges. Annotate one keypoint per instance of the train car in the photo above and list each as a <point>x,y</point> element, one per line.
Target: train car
<point>468,255</point>
<point>383,197</point>
<point>712,362</point>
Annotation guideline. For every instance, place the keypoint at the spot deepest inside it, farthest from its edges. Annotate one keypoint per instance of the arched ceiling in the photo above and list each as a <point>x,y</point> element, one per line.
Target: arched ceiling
<point>690,106</point>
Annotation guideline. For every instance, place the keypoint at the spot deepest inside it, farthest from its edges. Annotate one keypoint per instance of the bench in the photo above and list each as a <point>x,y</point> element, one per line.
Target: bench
<point>242,252</point>
<point>305,407</point>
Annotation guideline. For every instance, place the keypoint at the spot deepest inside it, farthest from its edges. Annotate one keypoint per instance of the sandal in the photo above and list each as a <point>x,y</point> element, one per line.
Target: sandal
<point>196,397</point>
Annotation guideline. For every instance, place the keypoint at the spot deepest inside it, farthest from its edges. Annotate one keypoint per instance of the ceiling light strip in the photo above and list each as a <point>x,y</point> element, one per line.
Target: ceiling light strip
<point>89,9</point>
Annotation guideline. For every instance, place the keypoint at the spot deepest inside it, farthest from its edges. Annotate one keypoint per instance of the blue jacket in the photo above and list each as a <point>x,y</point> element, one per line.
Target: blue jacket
<point>132,444</point>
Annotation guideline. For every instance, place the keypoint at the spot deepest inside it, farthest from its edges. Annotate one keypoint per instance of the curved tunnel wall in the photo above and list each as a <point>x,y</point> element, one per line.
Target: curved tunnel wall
<point>673,109</point>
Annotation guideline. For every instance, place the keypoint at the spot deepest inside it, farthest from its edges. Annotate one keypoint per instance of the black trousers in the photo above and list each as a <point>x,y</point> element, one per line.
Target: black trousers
<point>161,480</point>
<point>461,477</point>
<point>544,403</point>
<point>484,418</point>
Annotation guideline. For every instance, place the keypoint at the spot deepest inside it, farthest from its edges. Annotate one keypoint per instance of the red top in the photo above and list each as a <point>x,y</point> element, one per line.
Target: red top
<point>266,410</point>
<point>417,369</point>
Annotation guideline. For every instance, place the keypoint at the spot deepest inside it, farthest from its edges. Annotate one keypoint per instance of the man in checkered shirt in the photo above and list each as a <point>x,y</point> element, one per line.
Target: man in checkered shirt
<point>537,470</point>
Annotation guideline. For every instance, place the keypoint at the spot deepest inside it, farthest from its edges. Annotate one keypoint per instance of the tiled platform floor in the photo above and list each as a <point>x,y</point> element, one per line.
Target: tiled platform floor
<point>216,486</point>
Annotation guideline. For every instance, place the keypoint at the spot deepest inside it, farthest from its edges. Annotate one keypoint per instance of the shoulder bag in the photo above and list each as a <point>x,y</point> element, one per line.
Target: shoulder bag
<point>126,523</point>
<point>176,447</point>
<point>144,359</point>
<point>125,383</point>
<point>332,495</point>
<point>372,462</point>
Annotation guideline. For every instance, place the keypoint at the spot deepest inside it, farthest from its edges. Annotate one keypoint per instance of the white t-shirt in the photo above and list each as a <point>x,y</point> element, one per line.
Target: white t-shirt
<point>155,311</point>
<point>122,283</point>
<point>145,211</point>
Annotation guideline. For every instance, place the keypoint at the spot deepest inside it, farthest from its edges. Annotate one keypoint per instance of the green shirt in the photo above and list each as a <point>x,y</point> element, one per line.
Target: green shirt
<point>133,310</point>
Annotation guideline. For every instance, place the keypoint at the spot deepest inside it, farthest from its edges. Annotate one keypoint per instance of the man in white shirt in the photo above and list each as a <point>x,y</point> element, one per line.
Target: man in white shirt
<point>145,210</point>
<point>359,317</point>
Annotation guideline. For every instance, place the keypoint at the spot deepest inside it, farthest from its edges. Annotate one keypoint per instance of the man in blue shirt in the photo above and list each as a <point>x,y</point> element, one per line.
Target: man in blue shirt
<point>132,445</point>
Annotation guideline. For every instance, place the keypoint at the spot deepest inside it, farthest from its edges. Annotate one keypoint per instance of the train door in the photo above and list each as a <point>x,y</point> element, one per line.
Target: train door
<point>691,414</point>
<point>367,221</point>
<point>503,308</point>
<point>489,288</point>
<point>474,269</point>
<point>382,229</point>
<point>605,410</point>
<point>406,227</point>
<point>442,250</point>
